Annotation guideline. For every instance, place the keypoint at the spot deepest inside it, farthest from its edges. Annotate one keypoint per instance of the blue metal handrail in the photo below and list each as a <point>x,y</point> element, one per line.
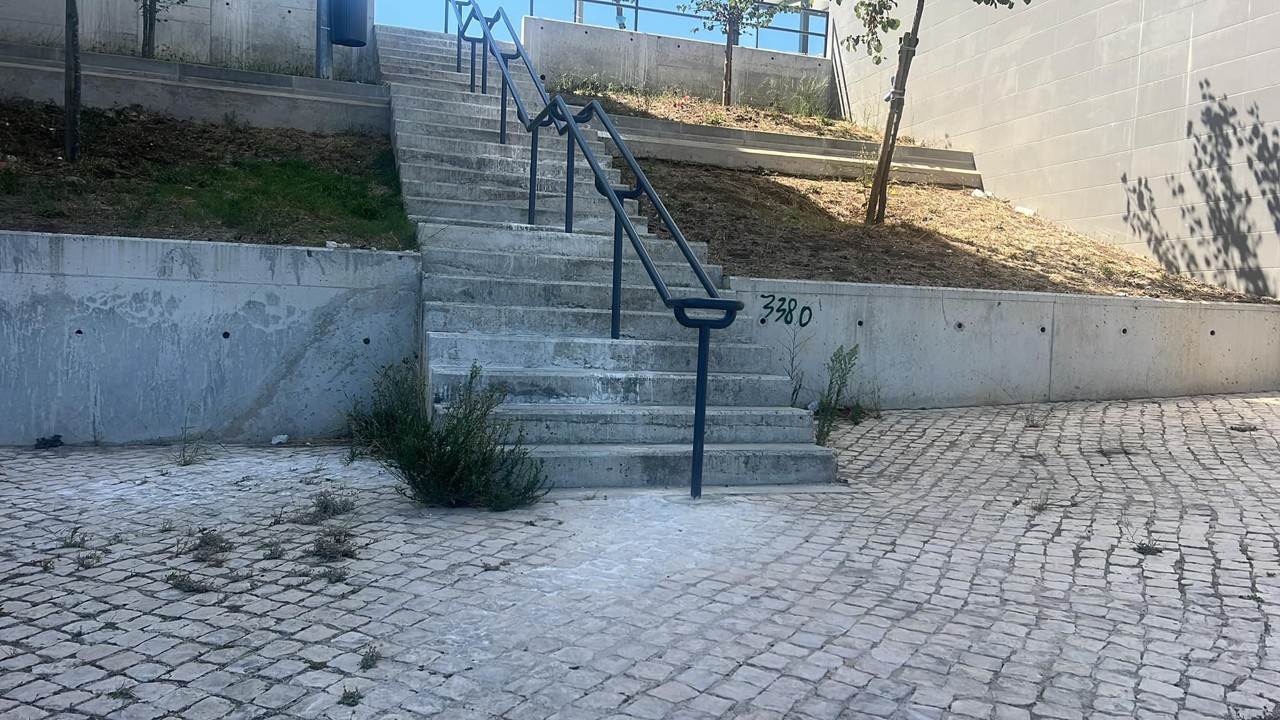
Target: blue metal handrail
<point>557,113</point>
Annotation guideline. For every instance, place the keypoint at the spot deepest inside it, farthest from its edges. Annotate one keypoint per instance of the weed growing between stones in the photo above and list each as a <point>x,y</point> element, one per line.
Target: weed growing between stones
<point>351,697</point>
<point>463,457</point>
<point>209,547</point>
<point>370,657</point>
<point>74,538</point>
<point>325,505</point>
<point>84,561</point>
<point>184,582</point>
<point>839,373</point>
<point>273,550</point>
<point>333,543</point>
<point>331,574</point>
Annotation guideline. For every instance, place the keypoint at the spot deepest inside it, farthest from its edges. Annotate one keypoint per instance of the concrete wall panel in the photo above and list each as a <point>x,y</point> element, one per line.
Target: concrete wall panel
<point>265,35</point>
<point>659,63</point>
<point>1120,79</point>
<point>941,347</point>
<point>124,340</point>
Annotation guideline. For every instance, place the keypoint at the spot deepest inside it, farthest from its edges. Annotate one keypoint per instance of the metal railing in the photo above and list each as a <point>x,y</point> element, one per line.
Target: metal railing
<point>557,113</point>
<point>804,36</point>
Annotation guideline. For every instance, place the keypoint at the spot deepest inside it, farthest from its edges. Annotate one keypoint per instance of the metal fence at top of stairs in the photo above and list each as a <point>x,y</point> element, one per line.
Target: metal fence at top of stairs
<point>704,313</point>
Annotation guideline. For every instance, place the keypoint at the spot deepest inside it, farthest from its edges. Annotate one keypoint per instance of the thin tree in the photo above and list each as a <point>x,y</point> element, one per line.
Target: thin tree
<point>71,83</point>
<point>151,11</point>
<point>732,17</point>
<point>876,21</point>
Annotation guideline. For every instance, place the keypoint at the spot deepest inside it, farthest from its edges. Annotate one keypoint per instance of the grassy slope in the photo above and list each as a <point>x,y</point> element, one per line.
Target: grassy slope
<point>782,227</point>
<point>146,175</point>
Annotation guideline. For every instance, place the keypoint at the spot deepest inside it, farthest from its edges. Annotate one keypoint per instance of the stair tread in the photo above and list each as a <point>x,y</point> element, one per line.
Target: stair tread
<point>530,337</point>
<point>624,449</point>
<point>610,409</point>
<point>581,372</point>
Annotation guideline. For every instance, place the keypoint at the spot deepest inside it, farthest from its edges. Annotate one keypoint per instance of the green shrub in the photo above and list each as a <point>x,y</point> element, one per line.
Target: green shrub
<point>464,457</point>
<point>839,373</point>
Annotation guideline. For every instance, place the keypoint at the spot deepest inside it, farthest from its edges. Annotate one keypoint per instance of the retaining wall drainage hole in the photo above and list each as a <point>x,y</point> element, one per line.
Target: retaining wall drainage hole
<point>366,341</point>
<point>226,335</point>
<point>79,332</point>
<point>959,326</point>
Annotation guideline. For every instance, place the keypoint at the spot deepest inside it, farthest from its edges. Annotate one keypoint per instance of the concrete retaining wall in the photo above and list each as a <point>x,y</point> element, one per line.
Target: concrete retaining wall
<point>563,50</point>
<point>124,340</point>
<point>941,347</point>
<point>275,36</point>
<point>199,92</point>
<point>1151,124</point>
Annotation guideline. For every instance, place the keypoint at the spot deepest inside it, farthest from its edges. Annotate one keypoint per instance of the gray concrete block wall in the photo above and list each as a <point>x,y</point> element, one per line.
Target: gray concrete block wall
<point>660,63</point>
<point>131,340</point>
<point>263,35</point>
<point>1082,109</point>
<point>199,92</point>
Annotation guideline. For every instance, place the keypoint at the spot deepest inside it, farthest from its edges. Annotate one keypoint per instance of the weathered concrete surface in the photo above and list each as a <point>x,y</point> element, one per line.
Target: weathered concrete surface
<point>271,35</point>
<point>200,92</point>
<point>973,567</point>
<point>563,50</point>
<point>123,340</point>
<point>1153,125</point>
<point>946,347</point>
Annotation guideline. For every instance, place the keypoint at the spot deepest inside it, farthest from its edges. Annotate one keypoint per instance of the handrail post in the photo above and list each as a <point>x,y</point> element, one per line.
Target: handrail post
<point>473,67</point>
<point>615,321</point>
<point>568,187</point>
<point>484,72</point>
<point>533,175</point>
<point>446,16</point>
<point>459,50</point>
<point>700,411</point>
<point>502,123</point>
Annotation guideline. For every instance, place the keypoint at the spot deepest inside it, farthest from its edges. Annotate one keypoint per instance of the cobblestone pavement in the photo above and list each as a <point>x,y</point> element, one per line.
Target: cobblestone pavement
<point>974,567</point>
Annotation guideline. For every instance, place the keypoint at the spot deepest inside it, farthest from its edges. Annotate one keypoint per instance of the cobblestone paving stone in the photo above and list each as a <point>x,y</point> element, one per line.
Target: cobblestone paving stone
<point>974,567</point>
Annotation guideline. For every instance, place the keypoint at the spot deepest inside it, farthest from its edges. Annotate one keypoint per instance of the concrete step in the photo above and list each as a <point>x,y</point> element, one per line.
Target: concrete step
<point>507,292</point>
<point>509,163</point>
<point>390,37</point>
<point>569,322</point>
<point>416,172</point>
<point>510,195</point>
<point>549,153</point>
<point>488,132</point>
<point>586,217</point>
<point>549,242</point>
<point>547,423</point>
<point>400,91</point>
<point>669,465</point>
<point>509,350</point>
<point>546,267</point>
<point>419,75</point>
<point>624,387</point>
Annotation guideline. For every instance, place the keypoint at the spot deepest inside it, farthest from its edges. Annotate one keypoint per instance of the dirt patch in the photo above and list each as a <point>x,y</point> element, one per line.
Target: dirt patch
<point>685,109</point>
<point>773,226</point>
<point>143,174</point>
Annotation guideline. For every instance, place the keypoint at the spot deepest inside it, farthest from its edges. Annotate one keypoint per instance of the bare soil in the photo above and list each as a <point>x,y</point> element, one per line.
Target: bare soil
<point>685,109</point>
<point>773,226</point>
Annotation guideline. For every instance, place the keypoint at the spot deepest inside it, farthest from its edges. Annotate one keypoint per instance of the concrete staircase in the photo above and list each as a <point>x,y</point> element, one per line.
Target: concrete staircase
<point>530,304</point>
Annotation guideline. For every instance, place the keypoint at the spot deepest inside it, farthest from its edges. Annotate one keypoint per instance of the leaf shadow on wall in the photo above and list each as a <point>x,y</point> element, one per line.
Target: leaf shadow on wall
<point>1216,215</point>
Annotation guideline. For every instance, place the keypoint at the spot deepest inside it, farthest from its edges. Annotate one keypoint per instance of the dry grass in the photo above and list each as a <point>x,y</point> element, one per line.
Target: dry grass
<point>783,227</point>
<point>143,174</point>
<point>695,111</point>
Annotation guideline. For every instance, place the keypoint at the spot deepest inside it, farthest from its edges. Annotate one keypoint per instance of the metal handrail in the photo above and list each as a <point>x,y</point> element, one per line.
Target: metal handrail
<point>636,8</point>
<point>556,112</point>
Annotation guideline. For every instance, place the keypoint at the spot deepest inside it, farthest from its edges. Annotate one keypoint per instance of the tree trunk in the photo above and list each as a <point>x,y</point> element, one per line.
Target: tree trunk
<point>878,200</point>
<point>71,83</point>
<point>149,12</point>
<point>732,33</point>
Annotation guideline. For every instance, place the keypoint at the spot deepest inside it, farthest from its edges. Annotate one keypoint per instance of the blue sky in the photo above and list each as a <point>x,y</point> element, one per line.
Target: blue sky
<point>430,16</point>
